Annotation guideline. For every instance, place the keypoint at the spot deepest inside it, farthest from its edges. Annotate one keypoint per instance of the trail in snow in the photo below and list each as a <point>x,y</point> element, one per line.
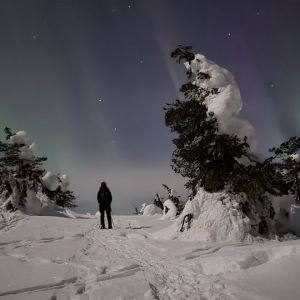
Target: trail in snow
<point>58,258</point>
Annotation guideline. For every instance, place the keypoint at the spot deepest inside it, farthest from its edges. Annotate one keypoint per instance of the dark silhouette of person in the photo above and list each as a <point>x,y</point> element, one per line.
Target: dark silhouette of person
<point>104,199</point>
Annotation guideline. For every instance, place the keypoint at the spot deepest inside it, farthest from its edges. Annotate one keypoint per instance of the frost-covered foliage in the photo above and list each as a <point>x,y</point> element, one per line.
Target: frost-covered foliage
<point>24,183</point>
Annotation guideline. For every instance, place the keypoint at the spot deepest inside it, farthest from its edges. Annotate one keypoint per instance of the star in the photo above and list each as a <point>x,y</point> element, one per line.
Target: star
<point>100,100</point>
<point>141,61</point>
<point>258,13</point>
<point>34,36</point>
<point>272,85</point>
<point>115,129</point>
<point>229,34</point>
<point>129,6</point>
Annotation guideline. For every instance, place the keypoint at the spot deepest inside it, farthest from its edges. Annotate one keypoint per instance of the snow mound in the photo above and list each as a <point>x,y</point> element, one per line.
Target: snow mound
<point>215,219</point>
<point>226,104</point>
<point>170,210</point>
<point>151,209</point>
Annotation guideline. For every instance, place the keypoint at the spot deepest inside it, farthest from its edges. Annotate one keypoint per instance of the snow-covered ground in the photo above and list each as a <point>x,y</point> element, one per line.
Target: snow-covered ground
<point>63,258</point>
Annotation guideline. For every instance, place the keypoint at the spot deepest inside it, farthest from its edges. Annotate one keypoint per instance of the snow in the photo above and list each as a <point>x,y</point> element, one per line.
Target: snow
<point>227,104</point>
<point>151,209</point>
<point>170,210</point>
<point>50,181</point>
<point>71,258</point>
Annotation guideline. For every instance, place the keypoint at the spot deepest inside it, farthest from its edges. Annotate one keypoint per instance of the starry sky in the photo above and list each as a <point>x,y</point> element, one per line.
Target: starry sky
<point>88,81</point>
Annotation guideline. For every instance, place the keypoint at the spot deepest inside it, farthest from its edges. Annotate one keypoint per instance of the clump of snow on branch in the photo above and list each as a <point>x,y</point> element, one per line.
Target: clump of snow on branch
<point>226,104</point>
<point>27,147</point>
<point>295,157</point>
<point>64,182</point>
<point>20,138</point>
<point>50,181</point>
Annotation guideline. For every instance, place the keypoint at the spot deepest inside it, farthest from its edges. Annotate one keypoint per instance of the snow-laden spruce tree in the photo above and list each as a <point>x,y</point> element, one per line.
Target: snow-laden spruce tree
<point>214,148</point>
<point>24,183</point>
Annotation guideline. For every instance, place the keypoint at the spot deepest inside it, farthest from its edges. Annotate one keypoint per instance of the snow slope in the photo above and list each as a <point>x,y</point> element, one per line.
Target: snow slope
<point>66,258</point>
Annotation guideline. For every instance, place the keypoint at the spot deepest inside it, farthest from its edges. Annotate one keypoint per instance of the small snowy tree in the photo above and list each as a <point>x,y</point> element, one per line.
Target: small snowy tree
<point>175,199</point>
<point>23,176</point>
<point>158,201</point>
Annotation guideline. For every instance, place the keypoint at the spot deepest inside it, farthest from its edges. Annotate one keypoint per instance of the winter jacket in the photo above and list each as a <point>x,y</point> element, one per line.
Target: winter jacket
<point>104,197</point>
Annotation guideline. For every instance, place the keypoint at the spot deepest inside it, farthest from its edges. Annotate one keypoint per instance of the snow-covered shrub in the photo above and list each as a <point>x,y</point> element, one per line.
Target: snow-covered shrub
<point>141,212</point>
<point>23,179</point>
<point>170,210</point>
<point>151,209</point>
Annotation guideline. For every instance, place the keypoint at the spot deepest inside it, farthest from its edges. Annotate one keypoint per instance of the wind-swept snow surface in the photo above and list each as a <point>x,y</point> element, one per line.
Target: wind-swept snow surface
<point>63,258</point>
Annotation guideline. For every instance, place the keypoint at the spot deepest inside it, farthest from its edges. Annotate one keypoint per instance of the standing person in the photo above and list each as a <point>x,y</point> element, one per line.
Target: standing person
<point>104,199</point>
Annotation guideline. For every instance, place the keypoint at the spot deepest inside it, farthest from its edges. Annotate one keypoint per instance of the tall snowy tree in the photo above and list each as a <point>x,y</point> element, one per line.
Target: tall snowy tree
<point>215,160</point>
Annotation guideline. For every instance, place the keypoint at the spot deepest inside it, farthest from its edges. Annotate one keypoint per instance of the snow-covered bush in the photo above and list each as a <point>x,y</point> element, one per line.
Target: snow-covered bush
<point>170,210</point>
<point>23,179</point>
<point>151,209</point>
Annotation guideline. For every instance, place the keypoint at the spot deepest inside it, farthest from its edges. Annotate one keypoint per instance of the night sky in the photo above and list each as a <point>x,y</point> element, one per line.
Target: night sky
<point>88,81</point>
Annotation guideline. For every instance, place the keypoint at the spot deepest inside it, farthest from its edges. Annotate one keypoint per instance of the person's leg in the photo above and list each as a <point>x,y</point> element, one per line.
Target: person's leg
<point>102,218</point>
<point>108,214</point>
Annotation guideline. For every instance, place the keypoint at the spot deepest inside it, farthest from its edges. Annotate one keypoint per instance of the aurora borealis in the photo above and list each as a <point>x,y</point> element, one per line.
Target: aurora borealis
<point>88,81</point>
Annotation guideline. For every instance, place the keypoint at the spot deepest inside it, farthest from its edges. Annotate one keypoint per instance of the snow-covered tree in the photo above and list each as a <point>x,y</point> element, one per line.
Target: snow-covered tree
<point>214,147</point>
<point>172,195</point>
<point>23,178</point>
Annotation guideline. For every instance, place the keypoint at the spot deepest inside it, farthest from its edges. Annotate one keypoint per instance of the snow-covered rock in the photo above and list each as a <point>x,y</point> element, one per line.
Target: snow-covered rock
<point>226,104</point>
<point>170,210</point>
<point>50,181</point>
<point>151,210</point>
